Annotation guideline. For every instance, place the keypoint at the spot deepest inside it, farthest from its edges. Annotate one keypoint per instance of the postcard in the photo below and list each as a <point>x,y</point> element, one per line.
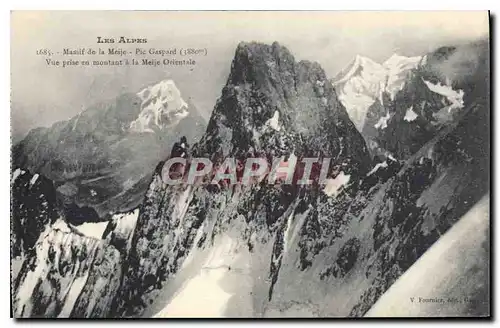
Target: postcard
<point>250,164</point>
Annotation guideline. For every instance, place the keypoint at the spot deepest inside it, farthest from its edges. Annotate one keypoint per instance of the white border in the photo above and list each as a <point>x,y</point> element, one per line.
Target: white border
<point>190,5</point>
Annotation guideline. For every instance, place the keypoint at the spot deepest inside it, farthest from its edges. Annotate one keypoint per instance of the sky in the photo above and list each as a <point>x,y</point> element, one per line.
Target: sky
<point>42,95</point>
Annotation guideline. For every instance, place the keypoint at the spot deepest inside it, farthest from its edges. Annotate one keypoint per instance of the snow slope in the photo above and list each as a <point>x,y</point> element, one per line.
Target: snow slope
<point>397,68</point>
<point>92,229</point>
<point>222,277</point>
<point>458,266</point>
<point>360,86</point>
<point>62,258</point>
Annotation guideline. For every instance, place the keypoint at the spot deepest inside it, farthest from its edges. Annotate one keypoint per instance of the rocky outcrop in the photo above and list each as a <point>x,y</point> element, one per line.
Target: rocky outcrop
<point>33,207</point>
<point>68,274</point>
<point>275,106</point>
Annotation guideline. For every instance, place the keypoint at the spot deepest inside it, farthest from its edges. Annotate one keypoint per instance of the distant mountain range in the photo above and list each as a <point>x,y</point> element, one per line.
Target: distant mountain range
<point>103,157</point>
<point>401,104</point>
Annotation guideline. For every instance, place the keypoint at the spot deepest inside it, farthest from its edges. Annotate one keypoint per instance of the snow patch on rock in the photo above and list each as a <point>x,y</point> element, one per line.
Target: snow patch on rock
<point>33,179</point>
<point>410,115</point>
<point>16,174</point>
<point>92,229</point>
<point>74,292</point>
<point>126,222</point>
<point>54,247</point>
<point>382,122</point>
<point>454,96</point>
<point>378,166</point>
<point>333,186</point>
<point>273,122</point>
<point>59,225</point>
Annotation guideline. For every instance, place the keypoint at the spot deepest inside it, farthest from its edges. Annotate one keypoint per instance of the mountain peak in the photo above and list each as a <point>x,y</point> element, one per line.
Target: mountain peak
<point>364,81</point>
<point>395,56</point>
<point>253,60</point>
<point>254,47</point>
<point>359,65</point>
<point>397,61</point>
<point>162,106</point>
<point>363,60</point>
<point>160,88</point>
<point>274,105</point>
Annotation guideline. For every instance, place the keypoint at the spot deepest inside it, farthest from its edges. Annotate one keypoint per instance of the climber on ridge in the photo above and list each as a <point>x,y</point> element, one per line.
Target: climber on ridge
<point>180,148</point>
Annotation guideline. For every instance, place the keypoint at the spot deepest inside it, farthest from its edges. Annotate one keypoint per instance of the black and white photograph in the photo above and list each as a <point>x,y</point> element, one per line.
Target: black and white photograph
<point>250,164</point>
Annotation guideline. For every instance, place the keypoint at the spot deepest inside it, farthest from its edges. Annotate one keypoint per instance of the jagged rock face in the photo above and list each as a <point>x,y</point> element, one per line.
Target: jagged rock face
<point>55,272</point>
<point>271,250</point>
<point>297,248</point>
<point>385,226</point>
<point>401,126</point>
<point>68,274</point>
<point>32,208</point>
<point>356,244</point>
<point>103,281</point>
<point>275,106</point>
<point>264,80</point>
<point>104,156</point>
